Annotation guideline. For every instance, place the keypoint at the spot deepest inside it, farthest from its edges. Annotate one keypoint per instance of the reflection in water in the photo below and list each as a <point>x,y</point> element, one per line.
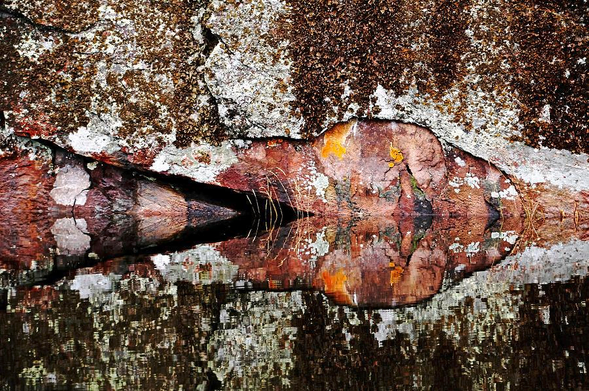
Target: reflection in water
<point>368,262</point>
<point>124,324</point>
<point>131,294</point>
<point>250,312</point>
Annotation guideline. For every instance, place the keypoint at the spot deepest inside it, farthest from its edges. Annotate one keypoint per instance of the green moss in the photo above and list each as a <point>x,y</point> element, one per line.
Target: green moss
<point>416,190</point>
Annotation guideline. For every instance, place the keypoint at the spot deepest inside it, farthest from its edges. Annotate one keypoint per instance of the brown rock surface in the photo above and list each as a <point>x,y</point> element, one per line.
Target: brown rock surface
<point>56,210</point>
<point>144,84</point>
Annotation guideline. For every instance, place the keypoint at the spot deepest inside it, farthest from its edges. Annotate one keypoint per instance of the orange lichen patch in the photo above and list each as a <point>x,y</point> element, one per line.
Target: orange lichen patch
<point>335,282</point>
<point>335,138</point>
<point>396,273</point>
<point>395,154</point>
<point>335,285</point>
<point>274,143</point>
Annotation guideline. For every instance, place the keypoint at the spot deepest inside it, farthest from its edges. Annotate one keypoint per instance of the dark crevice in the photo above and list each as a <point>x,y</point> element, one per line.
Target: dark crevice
<point>212,194</point>
<point>2,121</point>
<point>493,215</point>
<point>3,300</point>
<point>244,203</point>
<point>5,12</point>
<point>211,41</point>
<point>422,206</point>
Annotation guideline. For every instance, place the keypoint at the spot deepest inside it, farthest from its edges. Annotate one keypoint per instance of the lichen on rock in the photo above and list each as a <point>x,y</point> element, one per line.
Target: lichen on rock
<point>129,81</point>
<point>159,86</point>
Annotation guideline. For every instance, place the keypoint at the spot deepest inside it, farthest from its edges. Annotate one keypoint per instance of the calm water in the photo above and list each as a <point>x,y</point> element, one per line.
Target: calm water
<point>359,305</point>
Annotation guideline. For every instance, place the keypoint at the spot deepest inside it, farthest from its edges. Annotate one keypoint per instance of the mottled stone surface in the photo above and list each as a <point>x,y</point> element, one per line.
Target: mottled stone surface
<point>153,85</point>
<point>372,169</point>
<point>107,78</point>
<point>485,103</point>
<point>58,211</point>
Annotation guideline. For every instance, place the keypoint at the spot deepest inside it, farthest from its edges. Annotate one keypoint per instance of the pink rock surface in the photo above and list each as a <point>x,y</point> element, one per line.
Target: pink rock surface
<point>372,168</point>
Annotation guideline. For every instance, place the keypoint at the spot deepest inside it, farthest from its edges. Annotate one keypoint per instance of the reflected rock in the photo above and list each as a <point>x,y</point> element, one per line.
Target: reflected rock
<point>58,210</point>
<point>367,263</point>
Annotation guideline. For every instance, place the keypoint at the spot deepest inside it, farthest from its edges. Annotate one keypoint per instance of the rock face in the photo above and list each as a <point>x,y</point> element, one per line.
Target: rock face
<point>417,142</point>
<point>56,209</point>
<point>153,85</point>
<point>106,77</point>
<point>344,110</point>
<point>372,169</point>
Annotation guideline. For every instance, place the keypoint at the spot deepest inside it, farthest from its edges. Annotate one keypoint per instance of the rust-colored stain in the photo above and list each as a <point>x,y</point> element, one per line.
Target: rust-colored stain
<point>396,155</point>
<point>396,273</point>
<point>274,143</point>
<point>335,285</point>
<point>335,138</point>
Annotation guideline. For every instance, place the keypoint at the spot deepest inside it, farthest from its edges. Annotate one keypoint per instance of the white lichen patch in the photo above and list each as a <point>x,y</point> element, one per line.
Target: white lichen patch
<point>159,164</point>
<point>89,285</point>
<point>491,143</point>
<point>97,136</point>
<point>247,72</point>
<point>202,264</point>
<point>313,249</point>
<point>187,162</point>
<point>508,194</point>
<point>472,181</point>
<point>468,180</point>
<point>508,236</point>
<point>470,249</point>
<point>320,182</point>
<point>314,182</point>
<point>69,183</point>
<point>545,114</point>
<point>32,45</point>
<point>69,238</point>
<point>456,247</point>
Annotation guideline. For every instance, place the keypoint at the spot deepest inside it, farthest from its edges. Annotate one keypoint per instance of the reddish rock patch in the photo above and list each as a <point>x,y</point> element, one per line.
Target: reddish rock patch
<point>118,213</point>
<point>373,168</point>
<point>24,203</point>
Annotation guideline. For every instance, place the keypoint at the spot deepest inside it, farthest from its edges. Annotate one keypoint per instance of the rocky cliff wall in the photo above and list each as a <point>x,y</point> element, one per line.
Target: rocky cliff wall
<point>180,86</point>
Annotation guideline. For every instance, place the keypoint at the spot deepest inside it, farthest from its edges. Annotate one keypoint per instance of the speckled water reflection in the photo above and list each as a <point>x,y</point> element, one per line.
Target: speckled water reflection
<point>205,318</point>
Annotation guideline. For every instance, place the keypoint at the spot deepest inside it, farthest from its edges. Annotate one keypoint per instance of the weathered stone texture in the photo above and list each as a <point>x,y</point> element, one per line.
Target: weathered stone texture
<point>129,82</point>
<point>372,169</point>
<point>249,71</point>
<point>152,84</point>
<point>57,15</point>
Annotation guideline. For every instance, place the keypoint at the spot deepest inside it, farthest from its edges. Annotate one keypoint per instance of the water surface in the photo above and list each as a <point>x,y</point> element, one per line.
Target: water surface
<point>310,305</point>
